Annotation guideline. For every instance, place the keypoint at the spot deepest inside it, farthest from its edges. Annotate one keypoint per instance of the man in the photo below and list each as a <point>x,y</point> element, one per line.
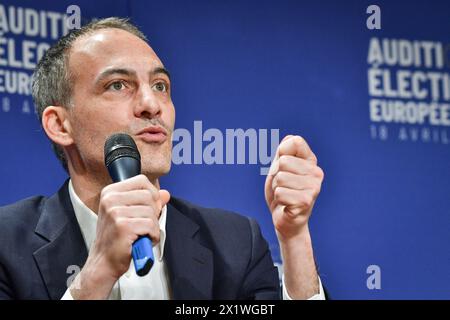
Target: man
<point>102,79</point>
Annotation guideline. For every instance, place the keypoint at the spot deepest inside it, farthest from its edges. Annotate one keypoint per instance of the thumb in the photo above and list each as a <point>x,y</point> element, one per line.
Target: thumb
<point>287,137</point>
<point>164,196</point>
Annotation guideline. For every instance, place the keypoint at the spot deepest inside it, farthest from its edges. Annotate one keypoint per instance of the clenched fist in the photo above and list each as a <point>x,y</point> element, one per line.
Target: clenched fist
<point>292,186</point>
<point>127,210</point>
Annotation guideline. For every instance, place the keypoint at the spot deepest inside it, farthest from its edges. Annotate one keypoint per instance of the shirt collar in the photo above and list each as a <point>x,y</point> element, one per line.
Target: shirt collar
<point>87,220</point>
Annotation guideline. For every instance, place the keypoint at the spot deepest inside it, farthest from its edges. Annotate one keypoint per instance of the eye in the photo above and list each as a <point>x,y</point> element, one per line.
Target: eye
<point>116,86</point>
<point>160,86</point>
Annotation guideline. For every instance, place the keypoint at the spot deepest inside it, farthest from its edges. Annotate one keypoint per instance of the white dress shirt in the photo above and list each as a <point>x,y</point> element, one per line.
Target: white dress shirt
<point>130,286</point>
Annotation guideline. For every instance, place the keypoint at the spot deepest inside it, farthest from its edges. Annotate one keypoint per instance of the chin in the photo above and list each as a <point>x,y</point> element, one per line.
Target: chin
<point>156,169</point>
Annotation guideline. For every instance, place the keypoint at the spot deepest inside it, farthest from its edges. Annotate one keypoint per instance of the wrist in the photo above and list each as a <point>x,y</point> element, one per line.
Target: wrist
<point>94,282</point>
<point>300,235</point>
<point>300,274</point>
<point>300,245</point>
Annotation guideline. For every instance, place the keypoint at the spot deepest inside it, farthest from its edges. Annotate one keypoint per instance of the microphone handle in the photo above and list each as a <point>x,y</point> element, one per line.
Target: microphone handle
<point>142,249</point>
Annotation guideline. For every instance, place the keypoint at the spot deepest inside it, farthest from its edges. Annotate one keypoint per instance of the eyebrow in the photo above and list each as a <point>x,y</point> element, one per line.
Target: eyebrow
<point>162,70</point>
<point>130,73</point>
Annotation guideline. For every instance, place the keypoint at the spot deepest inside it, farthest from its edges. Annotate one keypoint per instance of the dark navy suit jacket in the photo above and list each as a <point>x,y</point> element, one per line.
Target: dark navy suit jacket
<point>210,253</point>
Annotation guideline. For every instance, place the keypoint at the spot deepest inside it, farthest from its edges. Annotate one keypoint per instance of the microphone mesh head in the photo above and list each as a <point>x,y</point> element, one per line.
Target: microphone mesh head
<point>120,145</point>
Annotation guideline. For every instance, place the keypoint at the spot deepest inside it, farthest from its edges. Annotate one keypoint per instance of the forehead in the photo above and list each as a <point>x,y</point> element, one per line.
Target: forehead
<point>106,48</point>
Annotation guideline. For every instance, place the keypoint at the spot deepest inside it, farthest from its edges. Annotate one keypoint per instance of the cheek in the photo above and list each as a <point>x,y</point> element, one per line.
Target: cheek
<point>86,128</point>
<point>100,121</point>
<point>89,141</point>
<point>90,133</point>
<point>170,116</point>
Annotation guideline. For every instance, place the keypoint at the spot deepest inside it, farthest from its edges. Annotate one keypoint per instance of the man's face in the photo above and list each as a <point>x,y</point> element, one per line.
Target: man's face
<point>120,85</point>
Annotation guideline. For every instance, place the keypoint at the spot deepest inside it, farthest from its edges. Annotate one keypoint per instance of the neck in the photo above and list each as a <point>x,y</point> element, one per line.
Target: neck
<point>89,181</point>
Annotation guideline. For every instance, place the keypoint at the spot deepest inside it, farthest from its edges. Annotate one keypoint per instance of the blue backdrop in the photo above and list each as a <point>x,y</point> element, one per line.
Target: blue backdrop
<point>290,67</point>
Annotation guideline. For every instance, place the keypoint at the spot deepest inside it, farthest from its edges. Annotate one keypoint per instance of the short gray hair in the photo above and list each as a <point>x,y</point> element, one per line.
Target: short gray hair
<point>52,82</point>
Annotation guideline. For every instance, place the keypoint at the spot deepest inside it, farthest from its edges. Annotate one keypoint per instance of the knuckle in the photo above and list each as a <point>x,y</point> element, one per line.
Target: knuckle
<point>278,193</point>
<point>156,234</point>
<point>152,228</point>
<point>104,192</point>
<point>318,172</point>
<point>283,162</point>
<point>142,181</point>
<point>106,199</point>
<point>148,195</point>
<point>114,213</point>
<point>154,195</point>
<point>304,200</point>
<point>141,177</point>
<point>308,200</point>
<point>280,178</point>
<point>157,237</point>
<point>317,189</point>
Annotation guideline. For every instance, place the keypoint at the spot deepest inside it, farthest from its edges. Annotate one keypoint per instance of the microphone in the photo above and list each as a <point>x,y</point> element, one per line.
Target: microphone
<point>123,161</point>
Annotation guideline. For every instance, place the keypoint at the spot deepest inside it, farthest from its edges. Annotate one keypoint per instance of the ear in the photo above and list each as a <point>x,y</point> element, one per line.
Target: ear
<point>56,123</point>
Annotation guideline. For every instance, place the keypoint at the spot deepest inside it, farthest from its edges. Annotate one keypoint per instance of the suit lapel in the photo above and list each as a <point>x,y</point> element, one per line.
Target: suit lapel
<point>190,264</point>
<point>65,253</point>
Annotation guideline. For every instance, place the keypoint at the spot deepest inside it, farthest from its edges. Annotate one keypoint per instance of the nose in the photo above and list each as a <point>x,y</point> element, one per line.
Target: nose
<point>148,104</point>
